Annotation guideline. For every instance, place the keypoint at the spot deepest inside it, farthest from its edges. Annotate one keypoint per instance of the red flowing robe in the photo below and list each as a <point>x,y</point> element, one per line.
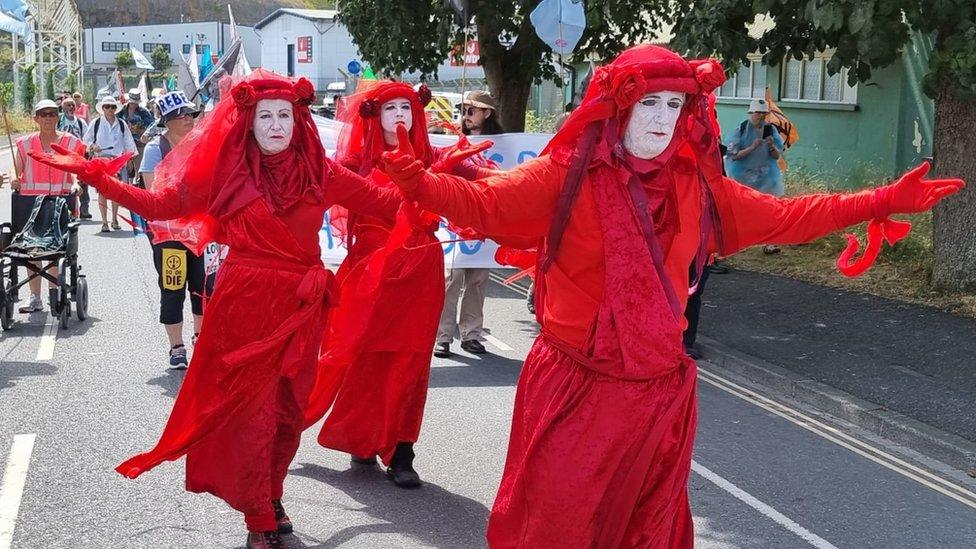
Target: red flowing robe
<point>375,364</point>
<point>238,415</point>
<point>600,447</point>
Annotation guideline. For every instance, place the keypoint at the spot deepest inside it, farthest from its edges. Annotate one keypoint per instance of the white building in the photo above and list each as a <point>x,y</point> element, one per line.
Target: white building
<point>312,44</point>
<point>102,44</point>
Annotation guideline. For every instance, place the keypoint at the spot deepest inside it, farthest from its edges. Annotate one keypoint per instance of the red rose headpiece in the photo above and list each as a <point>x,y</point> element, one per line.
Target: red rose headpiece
<point>361,138</point>
<point>246,94</point>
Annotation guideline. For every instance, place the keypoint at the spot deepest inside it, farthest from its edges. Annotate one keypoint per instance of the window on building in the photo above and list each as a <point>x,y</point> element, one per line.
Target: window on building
<point>115,46</point>
<point>186,49</point>
<point>808,81</point>
<point>148,47</point>
<point>747,83</point>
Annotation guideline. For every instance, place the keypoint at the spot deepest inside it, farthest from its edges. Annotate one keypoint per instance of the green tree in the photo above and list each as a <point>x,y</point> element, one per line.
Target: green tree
<point>6,95</point>
<point>433,35</point>
<point>49,84</point>
<point>28,88</point>
<point>71,83</point>
<point>865,35</point>
<point>160,59</point>
<point>124,60</point>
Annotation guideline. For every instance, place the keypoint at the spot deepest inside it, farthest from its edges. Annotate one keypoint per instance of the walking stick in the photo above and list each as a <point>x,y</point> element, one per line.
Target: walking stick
<point>10,140</point>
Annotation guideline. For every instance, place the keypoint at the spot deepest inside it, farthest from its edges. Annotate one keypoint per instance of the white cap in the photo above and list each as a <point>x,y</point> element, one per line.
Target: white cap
<point>45,104</point>
<point>758,105</point>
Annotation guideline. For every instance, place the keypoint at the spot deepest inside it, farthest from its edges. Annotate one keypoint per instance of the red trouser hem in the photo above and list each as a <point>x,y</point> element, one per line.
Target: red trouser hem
<point>264,522</point>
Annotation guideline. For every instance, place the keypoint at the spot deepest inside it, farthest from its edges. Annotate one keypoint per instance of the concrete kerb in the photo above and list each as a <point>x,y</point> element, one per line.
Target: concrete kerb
<point>946,447</point>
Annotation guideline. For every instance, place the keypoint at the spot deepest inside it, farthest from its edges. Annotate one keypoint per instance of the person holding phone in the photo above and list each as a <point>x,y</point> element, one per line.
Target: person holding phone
<point>753,150</point>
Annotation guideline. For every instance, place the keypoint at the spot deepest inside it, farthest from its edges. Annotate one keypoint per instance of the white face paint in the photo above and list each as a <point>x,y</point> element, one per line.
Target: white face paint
<point>651,125</point>
<point>274,124</point>
<point>393,112</point>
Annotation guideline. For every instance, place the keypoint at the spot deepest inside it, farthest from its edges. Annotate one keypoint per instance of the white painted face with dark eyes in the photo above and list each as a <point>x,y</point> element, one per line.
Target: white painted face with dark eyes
<point>393,112</point>
<point>274,124</point>
<point>652,122</point>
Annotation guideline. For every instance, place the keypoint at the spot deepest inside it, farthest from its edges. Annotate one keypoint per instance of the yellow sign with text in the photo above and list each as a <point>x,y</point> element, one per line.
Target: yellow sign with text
<point>174,269</point>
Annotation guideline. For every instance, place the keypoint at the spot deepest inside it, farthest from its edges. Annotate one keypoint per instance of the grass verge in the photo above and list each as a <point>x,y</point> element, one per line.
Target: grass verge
<point>902,272</point>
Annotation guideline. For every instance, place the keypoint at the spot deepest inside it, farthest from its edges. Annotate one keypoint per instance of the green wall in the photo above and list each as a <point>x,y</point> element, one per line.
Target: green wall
<point>847,145</point>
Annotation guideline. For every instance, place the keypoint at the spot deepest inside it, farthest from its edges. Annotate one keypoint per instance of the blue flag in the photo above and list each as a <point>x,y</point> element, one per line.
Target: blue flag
<point>206,62</point>
<point>14,8</point>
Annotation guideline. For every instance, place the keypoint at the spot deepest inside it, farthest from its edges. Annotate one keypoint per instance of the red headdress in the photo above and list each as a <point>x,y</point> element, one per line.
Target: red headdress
<point>361,138</point>
<point>591,136</point>
<point>220,161</point>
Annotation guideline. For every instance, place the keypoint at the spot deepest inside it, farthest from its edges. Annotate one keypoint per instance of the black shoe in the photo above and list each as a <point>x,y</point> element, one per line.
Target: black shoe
<point>359,460</point>
<point>264,540</point>
<point>694,352</point>
<point>401,467</point>
<point>281,517</point>
<point>474,347</point>
<point>443,350</point>
<point>719,268</point>
<point>85,216</point>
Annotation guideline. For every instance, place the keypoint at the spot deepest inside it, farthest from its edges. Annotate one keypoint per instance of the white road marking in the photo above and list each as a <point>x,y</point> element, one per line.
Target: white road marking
<point>497,343</point>
<point>12,488</point>
<point>45,351</point>
<point>766,510</point>
<point>864,449</point>
<point>514,287</point>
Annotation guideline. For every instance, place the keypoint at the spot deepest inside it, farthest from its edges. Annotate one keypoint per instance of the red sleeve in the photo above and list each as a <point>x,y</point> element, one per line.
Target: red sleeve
<point>749,217</point>
<point>520,202</point>
<point>358,194</point>
<point>166,203</point>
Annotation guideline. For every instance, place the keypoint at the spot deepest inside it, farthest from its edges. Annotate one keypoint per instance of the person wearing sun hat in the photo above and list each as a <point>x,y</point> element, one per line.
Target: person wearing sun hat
<point>190,269</point>
<point>625,197</point>
<point>109,137</point>
<point>35,179</point>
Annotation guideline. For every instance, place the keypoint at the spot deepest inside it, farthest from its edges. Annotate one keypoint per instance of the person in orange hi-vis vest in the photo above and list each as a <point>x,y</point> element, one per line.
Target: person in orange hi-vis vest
<point>34,179</point>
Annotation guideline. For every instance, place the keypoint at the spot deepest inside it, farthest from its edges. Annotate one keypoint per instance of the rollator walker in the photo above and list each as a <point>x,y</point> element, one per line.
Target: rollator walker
<point>49,238</point>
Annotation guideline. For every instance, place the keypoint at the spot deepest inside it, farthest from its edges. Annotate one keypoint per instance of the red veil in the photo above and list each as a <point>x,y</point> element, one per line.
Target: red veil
<point>361,143</point>
<point>216,163</point>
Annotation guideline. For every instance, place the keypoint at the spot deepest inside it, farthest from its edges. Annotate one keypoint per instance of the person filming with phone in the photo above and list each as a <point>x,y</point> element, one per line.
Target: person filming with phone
<point>754,148</point>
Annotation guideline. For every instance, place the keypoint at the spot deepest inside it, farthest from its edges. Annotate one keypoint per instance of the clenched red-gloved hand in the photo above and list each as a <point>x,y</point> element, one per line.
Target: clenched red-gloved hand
<point>458,153</point>
<point>910,194</point>
<point>402,166</point>
<point>90,171</point>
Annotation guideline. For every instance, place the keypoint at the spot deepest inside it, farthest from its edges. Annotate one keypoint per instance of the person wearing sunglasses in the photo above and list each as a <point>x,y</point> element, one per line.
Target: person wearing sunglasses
<point>479,117</point>
<point>180,270</point>
<point>34,179</point>
<point>109,137</point>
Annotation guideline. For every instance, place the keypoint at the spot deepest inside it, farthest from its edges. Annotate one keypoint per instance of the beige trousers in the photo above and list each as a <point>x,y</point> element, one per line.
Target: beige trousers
<point>469,285</point>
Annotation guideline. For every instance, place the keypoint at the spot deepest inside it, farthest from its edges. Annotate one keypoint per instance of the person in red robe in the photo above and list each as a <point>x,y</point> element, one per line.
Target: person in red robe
<point>375,361</point>
<point>627,195</point>
<point>254,176</point>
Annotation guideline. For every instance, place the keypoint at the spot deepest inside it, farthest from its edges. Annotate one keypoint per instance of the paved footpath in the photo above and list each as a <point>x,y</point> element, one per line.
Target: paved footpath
<point>910,359</point>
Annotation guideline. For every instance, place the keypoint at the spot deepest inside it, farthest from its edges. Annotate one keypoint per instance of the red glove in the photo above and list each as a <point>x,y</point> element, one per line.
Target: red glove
<point>400,164</point>
<point>458,153</point>
<point>910,194</point>
<point>90,171</point>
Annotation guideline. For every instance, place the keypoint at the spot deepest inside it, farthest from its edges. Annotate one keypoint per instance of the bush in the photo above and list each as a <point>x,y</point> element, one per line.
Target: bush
<point>6,95</point>
<point>540,124</point>
<point>28,88</point>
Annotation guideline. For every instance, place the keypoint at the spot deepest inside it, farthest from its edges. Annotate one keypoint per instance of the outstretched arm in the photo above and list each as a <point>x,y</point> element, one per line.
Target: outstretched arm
<point>520,202</point>
<point>169,203</point>
<point>749,217</point>
<point>358,194</point>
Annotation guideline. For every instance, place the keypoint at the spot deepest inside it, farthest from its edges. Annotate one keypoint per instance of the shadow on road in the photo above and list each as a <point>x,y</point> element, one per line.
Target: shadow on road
<point>11,372</point>
<point>489,371</point>
<point>170,382</point>
<point>431,515</point>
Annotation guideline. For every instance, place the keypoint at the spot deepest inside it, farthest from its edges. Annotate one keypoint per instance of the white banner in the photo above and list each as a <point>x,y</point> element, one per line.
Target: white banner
<point>509,150</point>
